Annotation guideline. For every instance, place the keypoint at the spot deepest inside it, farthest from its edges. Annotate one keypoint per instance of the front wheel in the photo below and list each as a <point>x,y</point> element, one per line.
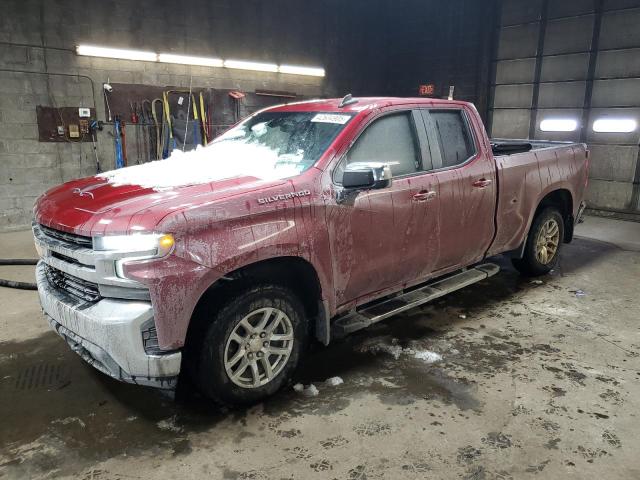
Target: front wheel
<point>252,345</point>
<point>543,244</point>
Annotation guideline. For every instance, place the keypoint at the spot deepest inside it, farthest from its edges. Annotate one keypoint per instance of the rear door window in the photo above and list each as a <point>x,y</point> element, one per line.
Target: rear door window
<point>454,136</point>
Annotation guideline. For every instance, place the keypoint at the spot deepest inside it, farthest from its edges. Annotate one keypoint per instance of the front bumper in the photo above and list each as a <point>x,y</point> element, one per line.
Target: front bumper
<point>108,335</point>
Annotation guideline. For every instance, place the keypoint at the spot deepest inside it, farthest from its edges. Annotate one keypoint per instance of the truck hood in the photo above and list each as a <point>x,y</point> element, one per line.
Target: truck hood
<point>138,197</point>
<point>95,206</point>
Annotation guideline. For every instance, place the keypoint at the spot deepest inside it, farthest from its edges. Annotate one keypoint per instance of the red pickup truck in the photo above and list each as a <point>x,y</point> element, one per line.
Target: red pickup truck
<point>305,221</point>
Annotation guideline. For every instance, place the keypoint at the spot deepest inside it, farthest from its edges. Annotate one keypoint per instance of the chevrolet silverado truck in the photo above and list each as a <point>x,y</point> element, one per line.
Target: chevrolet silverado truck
<point>304,222</point>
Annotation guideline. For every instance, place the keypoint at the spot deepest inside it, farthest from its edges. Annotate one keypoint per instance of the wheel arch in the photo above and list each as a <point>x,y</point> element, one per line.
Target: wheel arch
<point>295,273</point>
<point>562,199</point>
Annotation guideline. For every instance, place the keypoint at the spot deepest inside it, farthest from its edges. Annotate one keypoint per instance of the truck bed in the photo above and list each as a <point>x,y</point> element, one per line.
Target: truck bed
<point>504,146</point>
<point>527,172</point>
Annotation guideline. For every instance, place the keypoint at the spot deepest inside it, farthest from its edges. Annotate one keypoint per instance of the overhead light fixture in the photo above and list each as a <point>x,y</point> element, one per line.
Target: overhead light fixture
<point>125,54</point>
<point>255,66</point>
<point>188,60</point>
<point>615,125</point>
<point>293,70</point>
<point>559,125</point>
<point>92,51</point>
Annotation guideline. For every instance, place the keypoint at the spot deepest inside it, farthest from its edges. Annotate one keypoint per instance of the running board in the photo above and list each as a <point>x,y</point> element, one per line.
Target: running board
<point>359,319</point>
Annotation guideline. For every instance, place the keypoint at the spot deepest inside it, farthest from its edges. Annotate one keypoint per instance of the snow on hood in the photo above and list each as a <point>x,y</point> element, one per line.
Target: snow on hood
<point>216,161</point>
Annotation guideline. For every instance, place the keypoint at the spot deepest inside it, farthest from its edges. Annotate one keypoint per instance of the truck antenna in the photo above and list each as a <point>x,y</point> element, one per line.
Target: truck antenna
<point>347,100</point>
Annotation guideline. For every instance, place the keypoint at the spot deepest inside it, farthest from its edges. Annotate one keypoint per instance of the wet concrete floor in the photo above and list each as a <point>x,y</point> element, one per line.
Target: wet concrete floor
<point>536,380</point>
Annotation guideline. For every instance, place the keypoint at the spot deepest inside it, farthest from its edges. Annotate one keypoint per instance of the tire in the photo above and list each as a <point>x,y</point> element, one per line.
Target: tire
<point>221,356</point>
<point>535,262</point>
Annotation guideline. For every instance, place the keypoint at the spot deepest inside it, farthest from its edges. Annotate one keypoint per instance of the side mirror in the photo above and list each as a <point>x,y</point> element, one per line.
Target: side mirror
<point>367,176</point>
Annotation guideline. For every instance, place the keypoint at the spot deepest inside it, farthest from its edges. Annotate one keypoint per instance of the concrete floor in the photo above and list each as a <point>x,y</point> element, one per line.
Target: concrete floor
<point>538,379</point>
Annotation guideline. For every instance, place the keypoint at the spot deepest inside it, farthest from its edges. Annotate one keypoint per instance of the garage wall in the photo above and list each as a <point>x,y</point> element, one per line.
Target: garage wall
<point>439,43</point>
<point>575,59</point>
<point>38,66</point>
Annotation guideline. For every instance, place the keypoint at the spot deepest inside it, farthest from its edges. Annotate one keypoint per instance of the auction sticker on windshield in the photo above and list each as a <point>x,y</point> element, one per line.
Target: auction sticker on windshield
<point>331,118</point>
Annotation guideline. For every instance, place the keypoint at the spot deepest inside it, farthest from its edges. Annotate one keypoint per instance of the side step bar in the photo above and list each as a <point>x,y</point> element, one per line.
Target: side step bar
<point>359,319</point>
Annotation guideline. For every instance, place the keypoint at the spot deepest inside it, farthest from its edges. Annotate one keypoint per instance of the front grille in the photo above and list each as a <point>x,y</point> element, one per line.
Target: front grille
<point>69,238</point>
<point>75,286</point>
<point>67,259</point>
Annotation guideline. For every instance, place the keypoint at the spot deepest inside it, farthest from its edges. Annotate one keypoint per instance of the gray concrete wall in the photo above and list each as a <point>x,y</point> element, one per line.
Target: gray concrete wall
<point>38,66</point>
<point>575,59</point>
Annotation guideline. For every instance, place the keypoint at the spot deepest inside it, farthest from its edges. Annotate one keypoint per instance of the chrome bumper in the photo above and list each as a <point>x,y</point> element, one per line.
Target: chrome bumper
<point>101,315</point>
<point>108,335</point>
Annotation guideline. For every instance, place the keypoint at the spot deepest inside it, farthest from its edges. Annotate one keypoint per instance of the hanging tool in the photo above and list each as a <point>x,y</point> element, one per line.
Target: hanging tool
<point>134,114</point>
<point>174,122</point>
<point>107,88</point>
<point>196,124</point>
<point>117,135</point>
<point>159,129</point>
<point>94,126</point>
<point>170,141</point>
<point>237,96</point>
<point>195,113</point>
<point>145,117</point>
<point>203,118</point>
<point>210,131</point>
<point>135,121</point>
<point>123,131</point>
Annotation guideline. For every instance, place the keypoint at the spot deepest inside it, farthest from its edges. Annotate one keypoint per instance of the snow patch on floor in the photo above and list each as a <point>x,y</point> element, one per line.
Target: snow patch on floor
<point>427,356</point>
<point>391,347</point>
<point>69,421</point>
<point>333,381</point>
<point>386,383</point>
<point>169,425</point>
<point>309,391</point>
<point>382,345</point>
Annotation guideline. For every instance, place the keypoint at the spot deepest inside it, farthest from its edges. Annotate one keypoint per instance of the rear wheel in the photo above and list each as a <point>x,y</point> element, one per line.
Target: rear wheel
<point>543,244</point>
<point>252,345</point>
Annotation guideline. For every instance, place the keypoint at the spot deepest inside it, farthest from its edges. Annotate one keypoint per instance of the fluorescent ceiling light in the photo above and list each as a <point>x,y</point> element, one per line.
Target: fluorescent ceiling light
<point>187,60</point>
<point>258,67</point>
<point>293,70</point>
<point>615,125</point>
<point>126,54</point>
<point>559,125</point>
<point>116,53</point>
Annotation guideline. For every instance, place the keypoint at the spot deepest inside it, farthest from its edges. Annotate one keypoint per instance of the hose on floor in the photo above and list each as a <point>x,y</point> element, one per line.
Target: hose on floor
<point>12,283</point>
<point>18,261</point>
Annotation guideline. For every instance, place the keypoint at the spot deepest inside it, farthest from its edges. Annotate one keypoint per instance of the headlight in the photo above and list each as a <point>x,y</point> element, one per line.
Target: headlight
<point>155,244</point>
<point>135,247</point>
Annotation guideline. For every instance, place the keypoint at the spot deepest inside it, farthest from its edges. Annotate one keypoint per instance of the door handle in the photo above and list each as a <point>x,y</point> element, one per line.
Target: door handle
<point>482,183</point>
<point>424,196</point>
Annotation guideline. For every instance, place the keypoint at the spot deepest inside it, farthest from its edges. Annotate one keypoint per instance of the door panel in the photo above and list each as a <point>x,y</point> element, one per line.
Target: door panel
<point>384,238</point>
<point>467,195</point>
<point>426,224</point>
<point>467,223</point>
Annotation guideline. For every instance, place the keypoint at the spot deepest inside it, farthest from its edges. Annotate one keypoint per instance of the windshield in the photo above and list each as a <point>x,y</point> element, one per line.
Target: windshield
<point>291,142</point>
<point>267,146</point>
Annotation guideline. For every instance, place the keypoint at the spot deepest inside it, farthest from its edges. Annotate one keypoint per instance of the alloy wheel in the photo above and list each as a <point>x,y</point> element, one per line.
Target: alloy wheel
<point>259,347</point>
<point>547,241</point>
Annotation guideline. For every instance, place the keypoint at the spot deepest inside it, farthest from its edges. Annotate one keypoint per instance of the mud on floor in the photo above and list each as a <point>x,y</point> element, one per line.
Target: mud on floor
<point>506,379</point>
